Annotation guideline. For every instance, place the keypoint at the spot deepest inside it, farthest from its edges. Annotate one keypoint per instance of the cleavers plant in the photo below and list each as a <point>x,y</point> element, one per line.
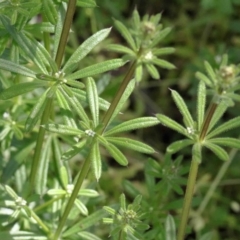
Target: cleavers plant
<point>50,100</point>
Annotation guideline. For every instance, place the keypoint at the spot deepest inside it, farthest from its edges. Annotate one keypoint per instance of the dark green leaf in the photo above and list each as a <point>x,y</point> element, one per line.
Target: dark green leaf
<point>96,161</point>
<point>178,145</point>
<point>226,141</point>
<point>218,151</point>
<point>63,129</point>
<point>49,10</point>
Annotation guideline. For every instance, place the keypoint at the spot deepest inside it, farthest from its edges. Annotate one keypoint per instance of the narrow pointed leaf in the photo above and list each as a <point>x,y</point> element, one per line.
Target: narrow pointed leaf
<point>163,51</point>
<point>178,145</point>
<point>197,152</point>
<point>49,10</point>
<point>120,49</point>
<point>139,73</point>
<point>64,176</point>
<point>11,192</point>
<point>163,63</point>
<point>76,84</point>
<point>131,144</point>
<point>76,105</point>
<point>74,150</point>
<point>92,97</point>
<point>88,193</point>
<point>201,103</point>
<point>153,71</point>
<point>132,125</point>
<point>53,192</point>
<point>234,96</point>
<point>116,154</point>
<point>86,3</point>
<point>15,68</point>
<point>19,89</point>
<point>84,49</point>
<point>218,151</point>
<point>204,78</point>
<point>82,208</point>
<point>231,124</point>
<point>161,35</point>
<point>187,118</point>
<point>210,71</point>
<point>226,141</point>
<point>168,122</point>
<point>170,228</point>
<point>126,34</point>
<point>96,161</point>
<point>97,69</point>
<point>62,129</point>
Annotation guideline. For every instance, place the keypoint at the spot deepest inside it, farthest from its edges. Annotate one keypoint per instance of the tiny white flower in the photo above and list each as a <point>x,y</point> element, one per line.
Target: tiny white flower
<point>149,56</point>
<point>20,201</point>
<point>6,115</point>
<point>70,188</point>
<point>190,130</point>
<point>90,133</point>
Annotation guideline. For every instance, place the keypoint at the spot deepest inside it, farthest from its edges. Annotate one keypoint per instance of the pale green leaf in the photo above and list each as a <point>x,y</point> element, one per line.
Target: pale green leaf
<point>231,124</point>
<point>109,210</point>
<point>233,96</point>
<point>210,72</point>
<point>170,228</point>
<point>53,192</point>
<point>15,68</point>
<point>84,49</point>
<point>11,192</point>
<point>132,125</point>
<point>131,144</point>
<point>88,236</point>
<point>19,89</point>
<point>21,235</point>
<point>163,51</point>
<point>116,154</point>
<point>123,201</point>
<point>75,83</point>
<point>139,73</point>
<point>92,97</point>
<point>121,49</point>
<point>126,34</point>
<point>49,10</point>
<point>178,145</point>
<point>201,102</point>
<point>197,152</point>
<point>64,176</point>
<point>204,78</point>
<point>97,69</point>
<point>88,193</point>
<point>63,129</point>
<point>86,3</point>
<point>82,208</point>
<point>162,63</point>
<point>187,118</point>
<point>96,161</point>
<point>168,122</point>
<point>218,151</point>
<point>161,35</point>
<point>152,71</point>
<point>226,141</point>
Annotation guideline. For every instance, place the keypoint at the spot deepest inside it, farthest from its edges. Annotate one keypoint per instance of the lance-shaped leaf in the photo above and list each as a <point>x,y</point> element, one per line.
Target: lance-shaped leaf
<point>126,34</point>
<point>86,3</point>
<point>131,144</point>
<point>139,72</point>
<point>231,124</point>
<point>162,63</point>
<point>76,105</point>
<point>49,10</point>
<point>92,98</point>
<point>204,78</point>
<point>67,116</point>
<point>197,152</point>
<point>226,141</point>
<point>74,150</point>
<point>121,49</point>
<point>210,72</point>
<point>64,176</point>
<point>15,68</point>
<point>166,121</point>
<point>187,118</point>
<point>19,89</point>
<point>218,151</point>
<point>82,208</point>
<point>116,154</point>
<point>163,51</point>
<point>84,49</point>
<point>153,71</point>
<point>21,235</point>
<point>170,228</point>
<point>178,145</point>
<point>96,161</point>
<point>88,193</point>
<point>62,129</point>
<point>132,125</point>
<point>97,69</point>
<point>201,102</point>
<point>161,35</point>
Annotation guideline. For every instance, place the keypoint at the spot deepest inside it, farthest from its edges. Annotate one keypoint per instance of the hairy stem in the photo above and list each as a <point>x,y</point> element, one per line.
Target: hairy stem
<point>188,199</point>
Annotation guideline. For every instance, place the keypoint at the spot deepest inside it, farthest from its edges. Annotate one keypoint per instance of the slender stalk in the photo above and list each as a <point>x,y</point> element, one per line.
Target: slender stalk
<point>40,222</point>
<point>188,199</point>
<point>87,164</point>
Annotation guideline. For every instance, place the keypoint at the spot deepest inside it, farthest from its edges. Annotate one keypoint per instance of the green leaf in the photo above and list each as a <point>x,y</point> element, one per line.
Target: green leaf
<point>53,192</point>
<point>49,10</point>
<point>88,193</point>
<point>231,124</point>
<point>63,129</point>
<point>21,235</point>
<point>132,125</point>
<point>226,141</point>
<point>168,122</point>
<point>64,176</point>
<point>86,3</point>
<point>161,35</point>
<point>178,145</point>
<point>204,78</point>
<point>139,73</point>
<point>121,49</point>
<point>88,236</point>
<point>76,105</point>
<point>74,150</point>
<point>96,161</point>
<point>97,69</point>
<point>170,228</point>
<point>126,34</point>
<point>75,84</point>
<point>131,144</point>
<point>116,154</point>
<point>82,208</point>
<point>197,152</point>
<point>11,192</point>
<point>201,102</point>
<point>210,72</point>
<point>152,71</point>
<point>187,118</point>
<point>92,97</point>
<point>218,151</point>
<point>19,89</point>
<point>163,51</point>
<point>15,68</point>
<point>162,63</point>
<point>84,49</point>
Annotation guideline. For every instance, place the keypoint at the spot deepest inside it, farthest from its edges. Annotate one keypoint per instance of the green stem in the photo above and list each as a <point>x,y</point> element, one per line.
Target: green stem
<point>65,32</point>
<point>87,164</point>
<point>188,199</point>
<point>40,223</point>
<point>40,139</point>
